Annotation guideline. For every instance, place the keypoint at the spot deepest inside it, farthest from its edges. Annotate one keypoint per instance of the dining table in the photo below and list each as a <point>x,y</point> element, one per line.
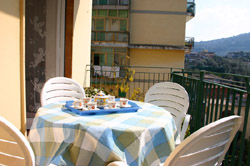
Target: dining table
<point>140,138</point>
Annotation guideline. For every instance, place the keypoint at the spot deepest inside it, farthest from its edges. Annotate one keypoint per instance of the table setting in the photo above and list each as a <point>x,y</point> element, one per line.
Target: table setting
<point>101,104</point>
<point>115,129</point>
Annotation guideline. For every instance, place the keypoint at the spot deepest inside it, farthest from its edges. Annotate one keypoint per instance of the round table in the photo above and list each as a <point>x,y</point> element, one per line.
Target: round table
<point>61,137</point>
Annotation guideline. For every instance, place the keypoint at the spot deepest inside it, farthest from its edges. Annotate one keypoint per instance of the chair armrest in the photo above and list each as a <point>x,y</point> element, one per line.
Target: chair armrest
<point>118,163</point>
<point>184,127</point>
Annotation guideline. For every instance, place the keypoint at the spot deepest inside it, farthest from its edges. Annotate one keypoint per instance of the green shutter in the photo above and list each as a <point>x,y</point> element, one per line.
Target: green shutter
<point>100,36</point>
<point>110,59</point>
<point>102,59</point>
<point>123,25</point>
<point>113,13</point>
<point>102,13</point>
<point>99,24</point>
<point>93,12</point>
<point>123,13</point>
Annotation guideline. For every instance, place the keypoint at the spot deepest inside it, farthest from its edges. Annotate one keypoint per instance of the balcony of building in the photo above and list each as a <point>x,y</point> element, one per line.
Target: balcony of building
<point>111,4</point>
<point>190,9</point>
<point>109,38</point>
<point>189,44</point>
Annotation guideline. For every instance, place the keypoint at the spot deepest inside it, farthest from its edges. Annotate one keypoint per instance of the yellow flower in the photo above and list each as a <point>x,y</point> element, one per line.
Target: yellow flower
<point>131,79</point>
<point>122,88</point>
<point>141,99</point>
<point>126,89</point>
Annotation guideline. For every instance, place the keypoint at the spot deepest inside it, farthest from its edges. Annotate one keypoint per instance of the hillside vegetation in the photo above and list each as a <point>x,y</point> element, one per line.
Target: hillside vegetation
<point>222,46</point>
<point>220,64</point>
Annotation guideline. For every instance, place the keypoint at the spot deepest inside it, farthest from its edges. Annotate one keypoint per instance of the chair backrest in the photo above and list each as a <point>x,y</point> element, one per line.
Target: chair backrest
<point>171,96</point>
<point>207,146</point>
<point>61,89</point>
<point>14,148</point>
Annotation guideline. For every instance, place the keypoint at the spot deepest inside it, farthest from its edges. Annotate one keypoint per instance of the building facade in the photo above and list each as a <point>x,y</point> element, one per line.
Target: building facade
<point>140,33</point>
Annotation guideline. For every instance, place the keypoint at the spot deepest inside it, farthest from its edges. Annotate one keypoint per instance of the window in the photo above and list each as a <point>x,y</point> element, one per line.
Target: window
<point>112,13</point>
<point>99,24</point>
<point>102,13</point>
<point>99,59</point>
<point>123,25</point>
<point>109,56</point>
<point>109,20</point>
<point>123,13</point>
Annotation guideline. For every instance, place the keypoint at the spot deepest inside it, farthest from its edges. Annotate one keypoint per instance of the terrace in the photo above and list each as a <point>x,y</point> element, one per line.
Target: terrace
<point>212,96</point>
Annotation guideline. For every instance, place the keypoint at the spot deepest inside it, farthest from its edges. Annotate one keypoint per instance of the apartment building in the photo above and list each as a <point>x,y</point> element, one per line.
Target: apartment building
<point>140,32</point>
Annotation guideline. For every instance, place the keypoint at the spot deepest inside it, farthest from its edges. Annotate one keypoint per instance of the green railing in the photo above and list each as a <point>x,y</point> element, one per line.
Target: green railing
<point>109,36</point>
<point>213,96</point>
<point>126,80</point>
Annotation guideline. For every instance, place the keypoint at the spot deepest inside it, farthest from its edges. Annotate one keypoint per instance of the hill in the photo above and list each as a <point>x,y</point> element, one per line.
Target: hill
<point>222,46</point>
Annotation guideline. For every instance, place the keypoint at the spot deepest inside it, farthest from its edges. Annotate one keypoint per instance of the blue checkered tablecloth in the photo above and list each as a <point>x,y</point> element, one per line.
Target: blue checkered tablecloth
<point>61,137</point>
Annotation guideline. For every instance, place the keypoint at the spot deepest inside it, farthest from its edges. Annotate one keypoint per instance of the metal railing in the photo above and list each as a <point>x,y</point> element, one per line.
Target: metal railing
<point>108,36</point>
<point>213,96</point>
<point>189,42</point>
<point>111,2</point>
<point>125,80</point>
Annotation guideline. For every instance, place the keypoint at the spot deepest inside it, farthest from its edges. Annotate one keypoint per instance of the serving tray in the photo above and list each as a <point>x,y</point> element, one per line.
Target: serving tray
<point>134,108</point>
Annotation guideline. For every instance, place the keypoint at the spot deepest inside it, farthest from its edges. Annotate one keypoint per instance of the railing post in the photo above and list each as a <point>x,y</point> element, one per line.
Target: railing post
<point>171,74</point>
<point>183,78</point>
<point>245,124</point>
<point>199,100</point>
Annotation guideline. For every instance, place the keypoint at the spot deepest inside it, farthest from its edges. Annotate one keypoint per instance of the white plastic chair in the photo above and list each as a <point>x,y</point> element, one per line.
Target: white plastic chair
<point>208,145</point>
<point>174,98</point>
<point>205,147</point>
<point>61,89</point>
<point>14,147</point>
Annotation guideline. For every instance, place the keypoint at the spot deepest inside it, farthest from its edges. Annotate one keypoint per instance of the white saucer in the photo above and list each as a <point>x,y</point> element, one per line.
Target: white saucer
<point>79,108</point>
<point>91,110</point>
<point>107,108</point>
<point>126,106</point>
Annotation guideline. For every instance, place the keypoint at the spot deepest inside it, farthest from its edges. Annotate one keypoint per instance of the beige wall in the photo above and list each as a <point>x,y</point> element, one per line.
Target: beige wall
<point>160,22</point>
<point>10,84</point>
<point>157,58</point>
<point>81,40</point>
<point>159,5</point>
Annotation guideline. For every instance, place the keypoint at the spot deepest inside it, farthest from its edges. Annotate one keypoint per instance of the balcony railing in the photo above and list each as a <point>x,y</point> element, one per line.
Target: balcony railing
<point>212,96</point>
<point>111,2</point>
<point>189,42</point>
<point>123,80</point>
<point>191,7</point>
<point>212,99</point>
<point>108,36</point>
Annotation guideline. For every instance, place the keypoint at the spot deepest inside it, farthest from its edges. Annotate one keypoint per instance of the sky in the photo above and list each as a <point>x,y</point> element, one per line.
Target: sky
<point>215,19</point>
